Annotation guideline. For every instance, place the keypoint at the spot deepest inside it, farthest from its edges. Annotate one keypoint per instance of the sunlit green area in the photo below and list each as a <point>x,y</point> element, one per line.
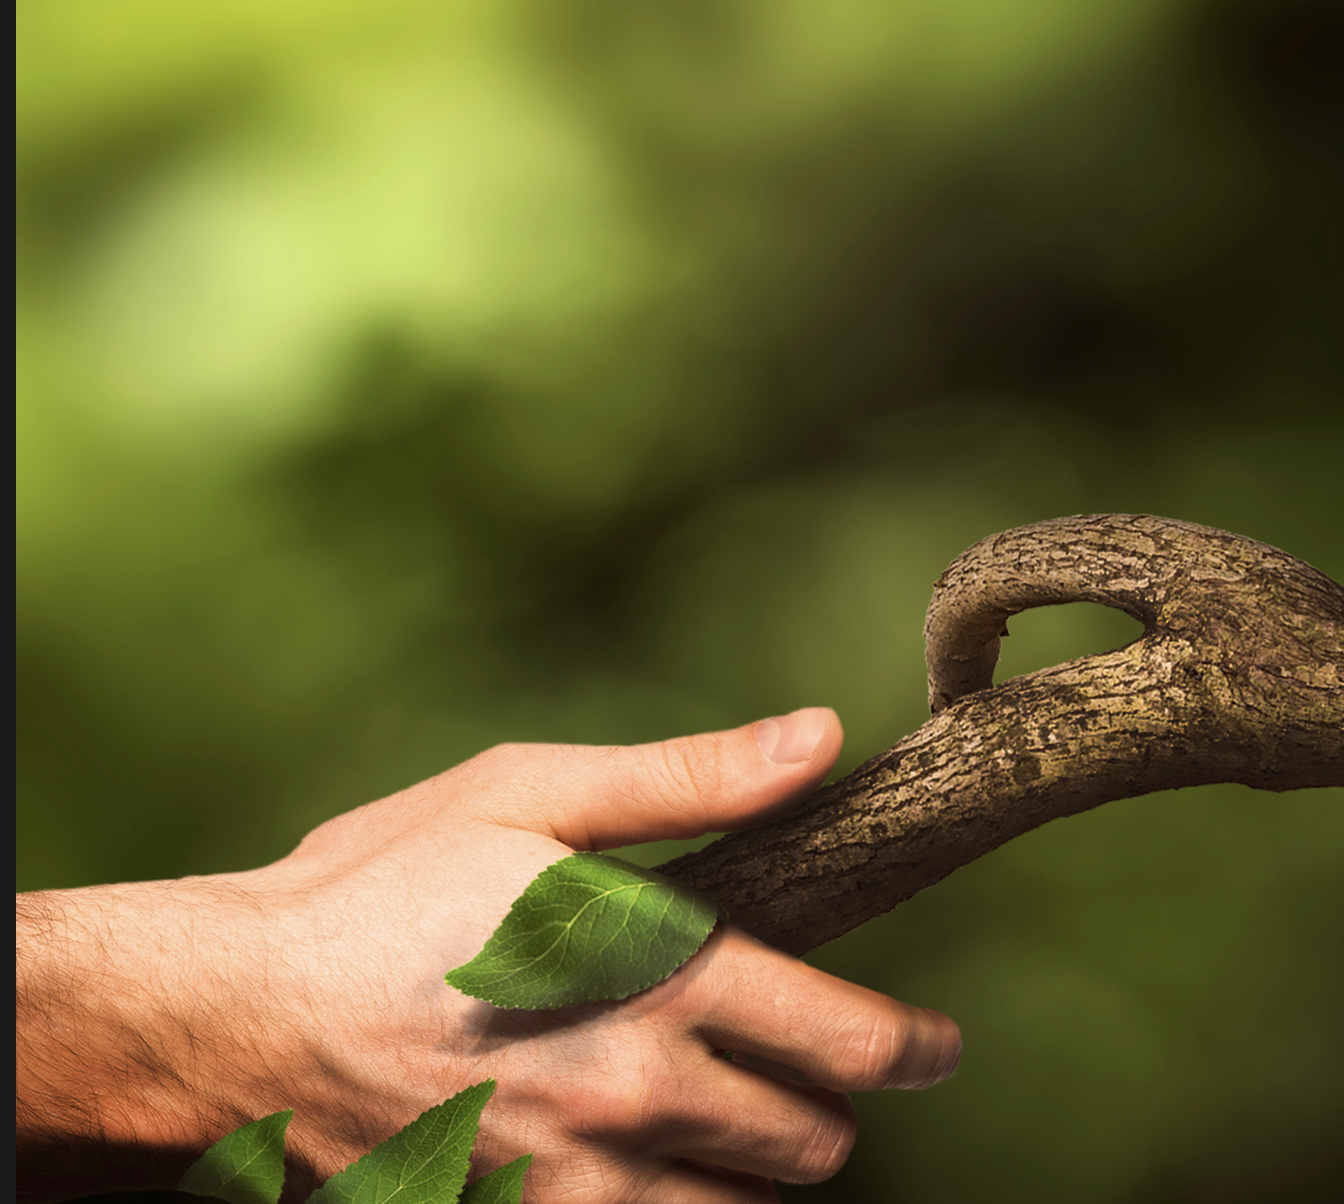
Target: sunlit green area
<point>398,378</point>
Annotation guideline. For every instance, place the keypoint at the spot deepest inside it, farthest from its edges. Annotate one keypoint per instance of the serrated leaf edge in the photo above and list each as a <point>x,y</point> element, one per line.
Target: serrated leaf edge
<point>287,1113</point>
<point>489,1084</point>
<point>471,1193</point>
<point>654,878</point>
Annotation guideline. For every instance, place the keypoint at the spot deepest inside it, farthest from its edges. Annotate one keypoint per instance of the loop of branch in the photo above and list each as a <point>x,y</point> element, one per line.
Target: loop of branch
<point>1238,677</point>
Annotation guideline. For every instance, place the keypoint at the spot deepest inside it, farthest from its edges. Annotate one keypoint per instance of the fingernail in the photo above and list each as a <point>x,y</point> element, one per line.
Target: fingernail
<point>789,739</point>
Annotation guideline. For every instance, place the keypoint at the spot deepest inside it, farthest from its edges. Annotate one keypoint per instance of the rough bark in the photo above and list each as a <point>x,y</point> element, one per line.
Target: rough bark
<point>1238,677</point>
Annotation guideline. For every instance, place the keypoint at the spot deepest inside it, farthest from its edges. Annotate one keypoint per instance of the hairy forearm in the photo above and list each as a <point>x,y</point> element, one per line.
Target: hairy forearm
<point>153,1018</point>
<point>110,1089</point>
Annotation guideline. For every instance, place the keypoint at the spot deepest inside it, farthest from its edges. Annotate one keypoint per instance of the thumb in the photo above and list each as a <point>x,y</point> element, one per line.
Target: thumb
<point>602,797</point>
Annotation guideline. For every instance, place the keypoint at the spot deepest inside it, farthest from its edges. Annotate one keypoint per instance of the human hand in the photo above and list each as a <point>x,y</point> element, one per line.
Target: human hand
<point>317,984</point>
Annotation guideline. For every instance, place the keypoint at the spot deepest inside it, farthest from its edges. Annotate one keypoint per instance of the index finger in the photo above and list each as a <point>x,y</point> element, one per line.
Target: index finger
<point>754,1000</point>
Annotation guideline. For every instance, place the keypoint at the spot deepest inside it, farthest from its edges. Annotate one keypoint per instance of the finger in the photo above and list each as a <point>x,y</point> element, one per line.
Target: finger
<point>689,1103</point>
<point>756,1001</point>
<point>604,797</point>
<point>658,1180</point>
<point>755,1124</point>
<point>686,1183</point>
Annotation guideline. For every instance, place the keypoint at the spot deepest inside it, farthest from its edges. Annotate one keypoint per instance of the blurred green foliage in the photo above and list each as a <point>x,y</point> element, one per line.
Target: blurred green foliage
<point>397,378</point>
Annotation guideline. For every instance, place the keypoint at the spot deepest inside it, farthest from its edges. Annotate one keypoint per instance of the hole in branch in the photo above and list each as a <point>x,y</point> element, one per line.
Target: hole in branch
<point>1049,635</point>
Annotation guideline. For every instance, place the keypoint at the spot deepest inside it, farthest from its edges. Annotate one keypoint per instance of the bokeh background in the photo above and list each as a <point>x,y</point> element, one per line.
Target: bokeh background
<point>397,377</point>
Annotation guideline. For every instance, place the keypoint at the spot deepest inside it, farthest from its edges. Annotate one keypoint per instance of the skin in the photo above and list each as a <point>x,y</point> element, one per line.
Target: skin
<point>155,1017</point>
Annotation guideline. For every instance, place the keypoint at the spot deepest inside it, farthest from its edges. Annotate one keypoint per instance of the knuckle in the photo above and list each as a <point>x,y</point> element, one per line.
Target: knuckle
<point>492,763</point>
<point>827,1144</point>
<point>319,839</point>
<point>622,1107</point>
<point>868,1050</point>
<point>517,768</point>
<point>686,769</point>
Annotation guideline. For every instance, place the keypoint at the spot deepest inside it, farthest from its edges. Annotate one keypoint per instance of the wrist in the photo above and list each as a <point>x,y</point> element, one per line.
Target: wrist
<point>123,1035</point>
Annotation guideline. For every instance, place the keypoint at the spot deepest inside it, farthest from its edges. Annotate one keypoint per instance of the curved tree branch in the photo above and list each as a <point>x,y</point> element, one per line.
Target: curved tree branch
<point>1238,677</point>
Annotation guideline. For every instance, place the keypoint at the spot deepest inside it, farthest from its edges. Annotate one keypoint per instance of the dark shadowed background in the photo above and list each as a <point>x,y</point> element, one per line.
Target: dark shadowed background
<point>397,378</point>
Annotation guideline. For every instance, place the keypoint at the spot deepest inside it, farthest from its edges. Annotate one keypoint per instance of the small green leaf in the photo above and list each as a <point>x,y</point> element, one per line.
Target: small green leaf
<point>246,1167</point>
<point>425,1163</point>
<point>589,927</point>
<point>504,1186</point>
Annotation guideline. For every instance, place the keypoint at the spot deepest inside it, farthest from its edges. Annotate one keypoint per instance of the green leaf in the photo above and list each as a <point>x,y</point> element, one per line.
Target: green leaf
<point>246,1167</point>
<point>425,1163</point>
<point>589,927</point>
<point>504,1186</point>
